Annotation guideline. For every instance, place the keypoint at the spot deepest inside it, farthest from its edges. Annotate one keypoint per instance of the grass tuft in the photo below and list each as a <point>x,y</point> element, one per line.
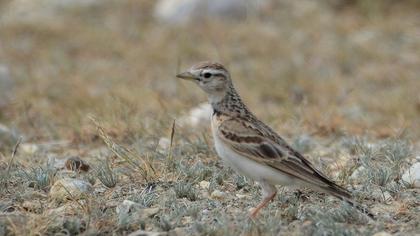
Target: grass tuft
<point>145,168</point>
<point>185,190</point>
<point>106,174</point>
<point>38,177</point>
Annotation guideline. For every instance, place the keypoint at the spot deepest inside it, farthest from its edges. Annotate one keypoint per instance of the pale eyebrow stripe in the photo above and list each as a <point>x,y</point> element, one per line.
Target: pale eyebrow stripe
<point>219,74</point>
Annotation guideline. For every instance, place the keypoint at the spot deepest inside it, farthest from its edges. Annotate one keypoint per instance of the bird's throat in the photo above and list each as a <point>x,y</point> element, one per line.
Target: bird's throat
<point>227,102</point>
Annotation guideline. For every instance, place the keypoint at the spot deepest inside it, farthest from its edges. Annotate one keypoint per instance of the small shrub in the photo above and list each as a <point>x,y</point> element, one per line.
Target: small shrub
<point>185,190</point>
<point>106,175</point>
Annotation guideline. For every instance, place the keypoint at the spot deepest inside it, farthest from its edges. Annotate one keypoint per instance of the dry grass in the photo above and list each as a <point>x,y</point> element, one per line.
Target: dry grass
<point>329,70</point>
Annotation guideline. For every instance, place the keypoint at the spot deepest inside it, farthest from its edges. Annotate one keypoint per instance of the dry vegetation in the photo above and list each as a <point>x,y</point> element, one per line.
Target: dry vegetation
<point>339,80</point>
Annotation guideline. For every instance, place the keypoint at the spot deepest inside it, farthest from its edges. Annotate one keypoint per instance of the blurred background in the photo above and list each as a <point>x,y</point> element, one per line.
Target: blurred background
<point>338,79</point>
<point>324,67</point>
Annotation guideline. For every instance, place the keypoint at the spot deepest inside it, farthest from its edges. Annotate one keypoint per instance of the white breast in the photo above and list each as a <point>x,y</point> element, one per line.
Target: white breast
<point>246,166</point>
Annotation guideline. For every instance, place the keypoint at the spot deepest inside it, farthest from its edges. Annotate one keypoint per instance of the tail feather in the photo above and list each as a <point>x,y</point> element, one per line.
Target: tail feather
<point>343,194</point>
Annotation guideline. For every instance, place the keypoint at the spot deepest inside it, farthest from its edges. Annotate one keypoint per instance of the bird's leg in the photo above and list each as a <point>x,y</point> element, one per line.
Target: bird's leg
<point>269,192</point>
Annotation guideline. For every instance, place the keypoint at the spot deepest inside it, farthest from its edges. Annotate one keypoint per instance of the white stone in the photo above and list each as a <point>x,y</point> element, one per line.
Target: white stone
<point>197,116</point>
<point>186,220</point>
<point>29,148</point>
<point>382,233</point>
<point>164,144</point>
<point>412,175</point>
<point>147,233</point>
<point>56,162</point>
<point>217,194</point>
<point>126,206</point>
<point>240,196</point>
<point>135,209</point>
<point>70,189</point>
<point>204,184</point>
<point>184,11</point>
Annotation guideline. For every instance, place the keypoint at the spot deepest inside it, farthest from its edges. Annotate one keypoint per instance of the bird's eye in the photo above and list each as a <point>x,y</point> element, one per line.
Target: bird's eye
<point>207,75</point>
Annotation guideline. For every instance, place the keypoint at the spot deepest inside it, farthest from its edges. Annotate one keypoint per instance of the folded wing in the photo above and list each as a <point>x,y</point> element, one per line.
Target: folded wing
<point>250,141</point>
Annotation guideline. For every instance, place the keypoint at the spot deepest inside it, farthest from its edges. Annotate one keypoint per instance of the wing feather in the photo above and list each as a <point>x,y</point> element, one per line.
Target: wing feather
<point>247,140</point>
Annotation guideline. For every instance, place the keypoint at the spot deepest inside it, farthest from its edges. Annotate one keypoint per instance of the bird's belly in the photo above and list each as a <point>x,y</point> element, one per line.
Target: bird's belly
<point>248,167</point>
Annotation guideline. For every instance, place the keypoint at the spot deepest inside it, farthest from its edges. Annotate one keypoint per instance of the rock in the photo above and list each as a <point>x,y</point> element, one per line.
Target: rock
<point>184,11</point>
<point>8,137</point>
<point>68,188</point>
<point>186,220</point>
<point>6,86</point>
<point>127,206</point>
<point>147,233</point>
<point>412,175</point>
<point>197,117</point>
<point>163,145</point>
<point>240,196</point>
<point>76,164</point>
<point>135,210</point>
<point>216,194</point>
<point>56,162</point>
<point>29,148</point>
<point>204,184</point>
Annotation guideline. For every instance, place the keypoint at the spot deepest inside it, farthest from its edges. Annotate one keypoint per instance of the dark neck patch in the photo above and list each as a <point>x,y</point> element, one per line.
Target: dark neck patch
<point>216,112</point>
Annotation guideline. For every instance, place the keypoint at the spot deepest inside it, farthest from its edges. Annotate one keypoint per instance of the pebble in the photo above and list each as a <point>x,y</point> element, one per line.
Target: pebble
<point>68,188</point>
<point>412,175</point>
<point>204,184</point>
<point>163,144</point>
<point>147,233</point>
<point>29,148</point>
<point>186,220</point>
<point>135,210</point>
<point>217,194</point>
<point>240,196</point>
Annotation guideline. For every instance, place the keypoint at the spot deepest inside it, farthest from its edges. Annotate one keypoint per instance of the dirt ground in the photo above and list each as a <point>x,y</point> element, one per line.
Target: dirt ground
<point>96,135</point>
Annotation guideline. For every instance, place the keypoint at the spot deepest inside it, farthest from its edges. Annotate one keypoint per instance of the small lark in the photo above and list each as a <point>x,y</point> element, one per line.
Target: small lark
<point>249,146</point>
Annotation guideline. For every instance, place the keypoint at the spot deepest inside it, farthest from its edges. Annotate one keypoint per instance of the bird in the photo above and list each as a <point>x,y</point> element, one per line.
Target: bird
<point>252,148</point>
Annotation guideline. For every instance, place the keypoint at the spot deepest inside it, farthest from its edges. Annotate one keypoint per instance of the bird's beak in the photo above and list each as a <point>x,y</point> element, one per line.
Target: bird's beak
<point>186,75</point>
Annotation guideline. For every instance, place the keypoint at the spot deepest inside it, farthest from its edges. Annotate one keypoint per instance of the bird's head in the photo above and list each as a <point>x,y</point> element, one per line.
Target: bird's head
<point>212,77</point>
